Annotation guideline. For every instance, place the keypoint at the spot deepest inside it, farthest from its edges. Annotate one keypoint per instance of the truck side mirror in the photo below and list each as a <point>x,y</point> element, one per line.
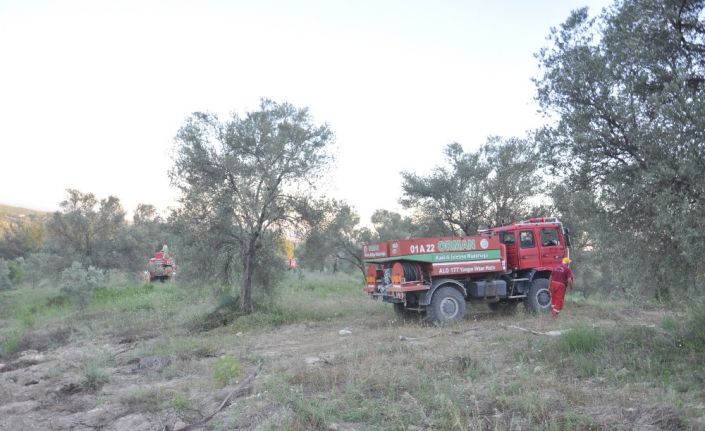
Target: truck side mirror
<point>566,234</point>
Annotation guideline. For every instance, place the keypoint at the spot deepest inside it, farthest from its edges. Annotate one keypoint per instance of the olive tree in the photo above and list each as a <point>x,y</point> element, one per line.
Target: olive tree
<point>627,91</point>
<point>475,189</point>
<point>85,229</point>
<point>240,178</point>
<point>333,234</point>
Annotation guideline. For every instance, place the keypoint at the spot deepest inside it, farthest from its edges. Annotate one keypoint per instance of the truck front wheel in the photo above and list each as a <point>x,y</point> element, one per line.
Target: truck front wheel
<point>538,299</point>
<point>446,306</point>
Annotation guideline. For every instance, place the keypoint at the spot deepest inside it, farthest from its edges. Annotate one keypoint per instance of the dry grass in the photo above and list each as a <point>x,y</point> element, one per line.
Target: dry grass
<point>611,369</point>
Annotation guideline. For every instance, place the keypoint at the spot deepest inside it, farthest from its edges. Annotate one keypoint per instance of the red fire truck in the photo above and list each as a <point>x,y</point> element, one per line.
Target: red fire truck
<point>501,266</point>
<point>161,267</point>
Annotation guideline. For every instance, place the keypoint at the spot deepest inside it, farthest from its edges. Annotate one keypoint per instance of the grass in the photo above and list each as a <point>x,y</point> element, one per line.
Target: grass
<point>185,407</point>
<point>94,377</point>
<point>635,354</point>
<point>580,339</point>
<point>473,376</point>
<point>225,370</point>
<point>315,298</point>
<point>180,347</point>
<point>145,399</point>
<point>10,343</point>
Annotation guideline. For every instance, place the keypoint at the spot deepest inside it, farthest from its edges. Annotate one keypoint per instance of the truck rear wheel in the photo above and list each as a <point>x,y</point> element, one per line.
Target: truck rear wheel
<point>538,300</point>
<point>447,305</point>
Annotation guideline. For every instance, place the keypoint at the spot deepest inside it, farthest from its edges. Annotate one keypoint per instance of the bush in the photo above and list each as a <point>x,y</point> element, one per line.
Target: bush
<point>10,344</point>
<point>94,377</point>
<point>694,330</point>
<point>5,282</point>
<point>580,339</point>
<point>225,313</point>
<point>79,284</point>
<point>16,271</point>
<point>226,370</point>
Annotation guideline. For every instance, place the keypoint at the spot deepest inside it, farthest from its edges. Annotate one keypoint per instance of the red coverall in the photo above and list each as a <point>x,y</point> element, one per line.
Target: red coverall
<point>560,277</point>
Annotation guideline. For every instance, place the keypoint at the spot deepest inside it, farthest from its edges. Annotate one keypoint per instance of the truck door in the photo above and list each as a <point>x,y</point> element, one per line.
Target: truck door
<point>528,251</point>
<point>552,251</point>
<point>509,241</point>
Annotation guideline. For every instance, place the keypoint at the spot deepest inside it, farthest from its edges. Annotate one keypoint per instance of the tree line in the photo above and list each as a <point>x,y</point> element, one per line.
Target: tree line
<point>620,161</point>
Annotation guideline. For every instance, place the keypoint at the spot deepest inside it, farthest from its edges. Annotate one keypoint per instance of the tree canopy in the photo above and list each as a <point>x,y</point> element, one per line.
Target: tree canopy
<point>475,189</point>
<point>628,91</point>
<point>241,178</point>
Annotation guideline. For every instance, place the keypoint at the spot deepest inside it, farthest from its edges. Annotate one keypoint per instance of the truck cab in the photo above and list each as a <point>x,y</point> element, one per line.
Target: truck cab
<point>538,243</point>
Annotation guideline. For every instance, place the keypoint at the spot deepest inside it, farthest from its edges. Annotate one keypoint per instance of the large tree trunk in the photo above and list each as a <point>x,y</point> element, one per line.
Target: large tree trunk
<point>246,286</point>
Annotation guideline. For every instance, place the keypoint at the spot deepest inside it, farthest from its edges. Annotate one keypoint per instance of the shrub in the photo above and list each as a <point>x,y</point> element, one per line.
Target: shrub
<point>94,377</point>
<point>225,313</point>
<point>5,281</point>
<point>225,370</point>
<point>16,271</point>
<point>10,344</point>
<point>79,284</point>
<point>694,327</point>
<point>185,408</point>
<point>144,399</point>
<point>580,339</point>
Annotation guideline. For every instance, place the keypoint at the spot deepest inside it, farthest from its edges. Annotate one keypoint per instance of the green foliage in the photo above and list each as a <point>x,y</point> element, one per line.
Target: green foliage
<point>5,281</point>
<point>185,407</point>
<point>629,354</point>
<point>85,229</point>
<point>182,348</point>
<point>16,268</point>
<point>21,237</point>
<point>694,327</point>
<point>10,343</point>
<point>95,233</point>
<point>124,297</point>
<point>237,179</point>
<point>475,189</point>
<point>225,370</point>
<point>580,339</point>
<point>390,225</point>
<point>32,269</point>
<point>144,399</point>
<point>225,313</point>
<point>80,284</point>
<point>304,297</point>
<point>334,238</point>
<point>94,377</point>
<point>182,403</point>
<point>628,90</point>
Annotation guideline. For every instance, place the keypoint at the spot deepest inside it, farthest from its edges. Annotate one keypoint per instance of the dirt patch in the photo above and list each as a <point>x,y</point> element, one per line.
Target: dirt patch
<point>132,336</point>
<point>386,374</point>
<point>17,365</point>
<point>646,418</point>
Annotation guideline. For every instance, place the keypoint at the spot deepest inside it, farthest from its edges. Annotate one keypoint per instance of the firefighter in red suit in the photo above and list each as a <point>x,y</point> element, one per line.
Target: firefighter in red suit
<point>561,278</point>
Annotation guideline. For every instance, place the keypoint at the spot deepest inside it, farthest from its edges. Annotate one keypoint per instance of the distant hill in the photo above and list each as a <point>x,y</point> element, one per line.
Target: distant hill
<point>17,211</point>
<point>10,214</point>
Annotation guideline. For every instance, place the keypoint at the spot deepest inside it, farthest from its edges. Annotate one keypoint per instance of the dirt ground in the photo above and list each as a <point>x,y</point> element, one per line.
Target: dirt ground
<point>128,379</point>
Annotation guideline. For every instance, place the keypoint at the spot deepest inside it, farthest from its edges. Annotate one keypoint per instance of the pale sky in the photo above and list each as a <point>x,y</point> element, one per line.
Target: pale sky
<point>93,92</point>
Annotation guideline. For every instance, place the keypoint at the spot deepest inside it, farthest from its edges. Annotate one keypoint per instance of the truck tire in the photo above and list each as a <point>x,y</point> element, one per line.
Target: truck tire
<point>538,300</point>
<point>447,305</point>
